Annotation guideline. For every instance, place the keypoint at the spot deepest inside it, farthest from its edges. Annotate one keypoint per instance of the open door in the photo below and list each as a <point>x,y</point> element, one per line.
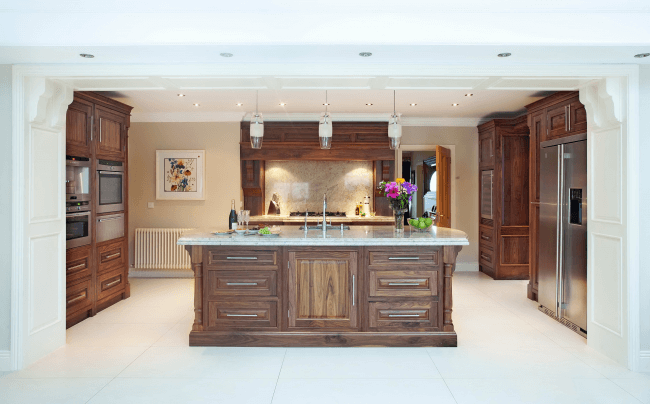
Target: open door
<point>443,186</point>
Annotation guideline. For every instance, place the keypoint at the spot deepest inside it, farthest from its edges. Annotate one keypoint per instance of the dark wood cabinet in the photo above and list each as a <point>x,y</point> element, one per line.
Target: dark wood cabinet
<point>323,289</point>
<point>503,198</point>
<point>554,117</point>
<point>97,273</point>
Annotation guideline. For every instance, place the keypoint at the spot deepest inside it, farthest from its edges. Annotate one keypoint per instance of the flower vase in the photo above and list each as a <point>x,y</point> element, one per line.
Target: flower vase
<point>399,219</point>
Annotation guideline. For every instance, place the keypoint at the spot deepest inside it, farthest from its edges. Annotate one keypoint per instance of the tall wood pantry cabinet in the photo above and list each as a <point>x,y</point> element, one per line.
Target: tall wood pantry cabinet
<point>554,117</point>
<point>97,273</point>
<point>503,198</point>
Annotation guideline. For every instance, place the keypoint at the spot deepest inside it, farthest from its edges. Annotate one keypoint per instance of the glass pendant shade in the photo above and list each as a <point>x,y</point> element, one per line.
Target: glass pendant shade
<point>257,131</point>
<point>325,131</point>
<point>395,132</point>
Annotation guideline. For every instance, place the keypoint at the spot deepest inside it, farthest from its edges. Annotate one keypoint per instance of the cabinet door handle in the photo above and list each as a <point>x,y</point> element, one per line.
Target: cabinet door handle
<point>100,130</point>
<point>108,257</point>
<point>403,258</point>
<point>417,283</point>
<point>403,315</point>
<point>92,127</point>
<point>81,296</point>
<point>354,291</point>
<point>241,258</point>
<point>77,267</point>
<point>108,285</point>
<point>568,116</point>
<point>241,283</point>
<point>241,315</point>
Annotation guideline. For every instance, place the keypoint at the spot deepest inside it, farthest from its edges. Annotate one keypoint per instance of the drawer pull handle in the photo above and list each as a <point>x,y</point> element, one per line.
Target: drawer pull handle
<point>110,218</point>
<point>417,283</point>
<point>403,315</point>
<point>485,257</point>
<point>108,257</point>
<point>77,267</point>
<point>241,283</point>
<point>82,296</point>
<point>241,315</point>
<point>108,285</point>
<point>484,237</point>
<point>403,258</point>
<point>241,258</point>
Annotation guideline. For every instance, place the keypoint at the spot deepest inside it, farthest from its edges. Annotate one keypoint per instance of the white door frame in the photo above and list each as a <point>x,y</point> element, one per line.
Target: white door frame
<point>628,107</point>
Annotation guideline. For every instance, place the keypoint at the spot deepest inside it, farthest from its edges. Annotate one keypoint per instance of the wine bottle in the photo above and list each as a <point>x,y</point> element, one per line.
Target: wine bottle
<point>233,215</point>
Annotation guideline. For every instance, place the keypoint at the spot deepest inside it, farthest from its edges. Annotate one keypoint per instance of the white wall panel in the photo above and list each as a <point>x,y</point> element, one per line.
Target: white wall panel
<point>606,287</point>
<point>45,182</point>
<point>607,191</point>
<point>45,301</point>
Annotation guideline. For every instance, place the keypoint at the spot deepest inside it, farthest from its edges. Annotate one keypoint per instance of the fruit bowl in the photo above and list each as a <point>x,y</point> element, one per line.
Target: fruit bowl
<point>417,226</point>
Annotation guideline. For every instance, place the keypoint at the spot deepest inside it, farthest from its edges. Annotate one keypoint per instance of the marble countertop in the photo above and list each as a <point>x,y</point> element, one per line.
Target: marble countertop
<point>301,219</point>
<point>356,236</point>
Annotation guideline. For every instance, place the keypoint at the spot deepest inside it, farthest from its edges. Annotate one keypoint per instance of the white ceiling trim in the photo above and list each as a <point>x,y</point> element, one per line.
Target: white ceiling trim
<point>217,116</point>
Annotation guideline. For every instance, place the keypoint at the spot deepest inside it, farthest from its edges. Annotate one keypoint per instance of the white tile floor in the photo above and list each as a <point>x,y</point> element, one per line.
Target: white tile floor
<point>136,352</point>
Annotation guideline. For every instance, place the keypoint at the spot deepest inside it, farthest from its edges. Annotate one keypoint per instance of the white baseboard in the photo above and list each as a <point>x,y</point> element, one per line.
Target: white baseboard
<point>644,361</point>
<point>160,273</point>
<point>467,266</point>
<point>5,361</point>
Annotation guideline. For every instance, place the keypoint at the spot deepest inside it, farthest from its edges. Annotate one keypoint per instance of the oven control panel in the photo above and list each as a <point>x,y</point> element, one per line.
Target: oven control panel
<point>77,206</point>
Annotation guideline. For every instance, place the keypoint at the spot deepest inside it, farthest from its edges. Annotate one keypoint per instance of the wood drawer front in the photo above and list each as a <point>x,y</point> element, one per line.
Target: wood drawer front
<point>403,257</point>
<point>78,296</point>
<point>242,258</point>
<point>242,283</point>
<point>242,314</point>
<point>111,256</point>
<point>486,257</point>
<point>403,315</point>
<point>110,283</point>
<point>486,236</point>
<point>403,283</point>
<point>78,263</point>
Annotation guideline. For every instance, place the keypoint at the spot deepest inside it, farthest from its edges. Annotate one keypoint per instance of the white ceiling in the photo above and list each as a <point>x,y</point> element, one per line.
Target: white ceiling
<point>156,98</point>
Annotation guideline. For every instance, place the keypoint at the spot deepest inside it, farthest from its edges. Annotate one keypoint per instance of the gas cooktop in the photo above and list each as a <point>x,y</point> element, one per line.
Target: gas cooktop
<point>318,214</point>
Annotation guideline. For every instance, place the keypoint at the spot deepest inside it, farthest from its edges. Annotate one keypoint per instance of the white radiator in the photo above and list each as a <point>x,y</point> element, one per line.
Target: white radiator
<point>157,249</point>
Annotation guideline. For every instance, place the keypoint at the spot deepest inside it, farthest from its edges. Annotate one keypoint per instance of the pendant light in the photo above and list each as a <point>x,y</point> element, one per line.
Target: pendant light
<point>257,126</point>
<point>325,128</point>
<point>394,128</point>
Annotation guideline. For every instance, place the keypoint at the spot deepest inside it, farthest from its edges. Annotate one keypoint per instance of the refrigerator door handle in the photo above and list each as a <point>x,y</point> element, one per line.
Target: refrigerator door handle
<point>558,238</point>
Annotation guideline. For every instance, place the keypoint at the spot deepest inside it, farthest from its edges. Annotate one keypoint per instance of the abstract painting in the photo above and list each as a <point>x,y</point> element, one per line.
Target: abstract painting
<point>180,174</point>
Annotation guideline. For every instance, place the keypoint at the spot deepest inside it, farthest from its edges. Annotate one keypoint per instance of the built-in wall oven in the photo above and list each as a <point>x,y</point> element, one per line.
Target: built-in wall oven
<point>78,224</point>
<point>110,186</point>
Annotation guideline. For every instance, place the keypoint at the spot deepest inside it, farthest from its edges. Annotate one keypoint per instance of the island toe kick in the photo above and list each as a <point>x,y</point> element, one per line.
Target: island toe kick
<point>281,295</point>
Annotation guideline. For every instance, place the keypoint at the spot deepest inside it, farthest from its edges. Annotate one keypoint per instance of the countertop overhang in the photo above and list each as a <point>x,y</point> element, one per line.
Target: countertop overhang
<point>356,236</point>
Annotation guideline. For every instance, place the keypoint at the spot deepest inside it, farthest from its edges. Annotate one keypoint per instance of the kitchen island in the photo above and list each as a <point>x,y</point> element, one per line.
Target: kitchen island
<point>286,220</point>
<point>367,286</point>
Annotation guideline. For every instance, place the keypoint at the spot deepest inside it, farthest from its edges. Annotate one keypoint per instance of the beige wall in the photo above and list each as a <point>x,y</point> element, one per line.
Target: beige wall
<point>465,183</point>
<point>221,144</point>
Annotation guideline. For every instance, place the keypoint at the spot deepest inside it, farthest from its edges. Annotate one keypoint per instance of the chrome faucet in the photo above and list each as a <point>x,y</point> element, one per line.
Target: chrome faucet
<point>324,215</point>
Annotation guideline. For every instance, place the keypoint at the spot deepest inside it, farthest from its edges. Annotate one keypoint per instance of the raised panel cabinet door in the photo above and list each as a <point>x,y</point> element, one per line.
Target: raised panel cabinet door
<point>557,122</point>
<point>323,289</point>
<point>577,118</point>
<point>443,186</point>
<point>78,129</point>
<point>486,149</point>
<point>110,134</point>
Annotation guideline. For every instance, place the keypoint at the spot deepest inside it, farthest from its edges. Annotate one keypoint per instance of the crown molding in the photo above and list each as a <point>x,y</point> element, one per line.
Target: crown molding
<point>217,116</point>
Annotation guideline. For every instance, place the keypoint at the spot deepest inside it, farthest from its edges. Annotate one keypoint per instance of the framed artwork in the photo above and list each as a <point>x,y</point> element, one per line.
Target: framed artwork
<point>180,175</point>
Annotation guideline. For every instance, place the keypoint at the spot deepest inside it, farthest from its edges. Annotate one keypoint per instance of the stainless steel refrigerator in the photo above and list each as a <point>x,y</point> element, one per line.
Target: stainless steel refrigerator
<point>562,285</point>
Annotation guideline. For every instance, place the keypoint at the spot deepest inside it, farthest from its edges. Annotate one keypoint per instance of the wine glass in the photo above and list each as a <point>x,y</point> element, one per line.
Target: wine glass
<point>240,218</point>
<point>247,217</point>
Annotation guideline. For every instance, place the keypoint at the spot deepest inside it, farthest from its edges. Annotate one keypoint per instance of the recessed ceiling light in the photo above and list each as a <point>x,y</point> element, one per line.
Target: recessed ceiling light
<point>181,95</point>
<point>369,104</point>
<point>282,104</point>
<point>365,54</point>
<point>226,55</point>
<point>469,95</point>
<point>196,105</point>
<point>86,55</point>
<point>239,104</point>
<point>413,104</point>
<point>504,55</point>
<point>455,105</point>
<point>326,103</point>
<point>642,55</point>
